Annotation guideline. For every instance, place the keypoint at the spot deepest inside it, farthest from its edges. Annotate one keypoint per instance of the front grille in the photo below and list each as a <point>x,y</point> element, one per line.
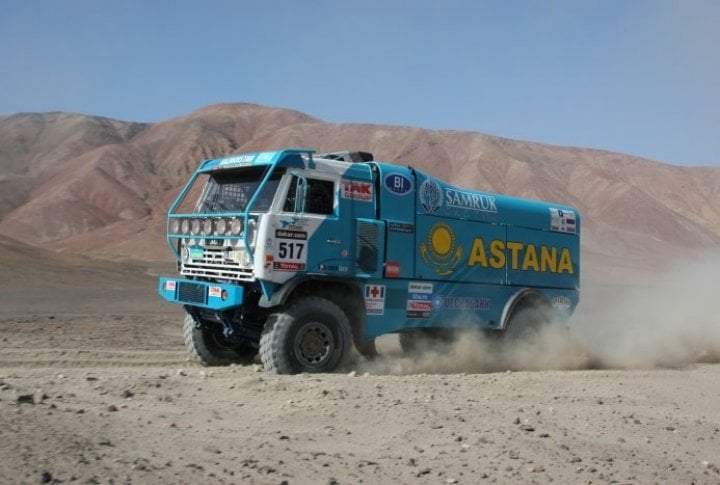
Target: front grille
<point>192,292</point>
<point>214,264</point>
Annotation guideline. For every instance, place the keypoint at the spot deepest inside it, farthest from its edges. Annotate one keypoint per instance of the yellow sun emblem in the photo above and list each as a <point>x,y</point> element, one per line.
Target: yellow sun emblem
<point>441,250</point>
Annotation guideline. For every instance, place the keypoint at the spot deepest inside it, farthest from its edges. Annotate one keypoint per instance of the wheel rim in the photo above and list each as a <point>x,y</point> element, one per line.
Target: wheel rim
<point>314,344</point>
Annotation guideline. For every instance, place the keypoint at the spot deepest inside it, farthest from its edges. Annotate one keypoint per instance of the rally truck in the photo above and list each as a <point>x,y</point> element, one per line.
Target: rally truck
<point>305,258</point>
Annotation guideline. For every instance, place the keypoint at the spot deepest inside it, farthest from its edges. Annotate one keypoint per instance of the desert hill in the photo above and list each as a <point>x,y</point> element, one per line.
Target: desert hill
<point>23,266</point>
<point>101,187</point>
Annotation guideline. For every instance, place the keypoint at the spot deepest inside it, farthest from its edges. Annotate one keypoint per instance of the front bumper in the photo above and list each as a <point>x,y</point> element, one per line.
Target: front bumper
<point>215,296</point>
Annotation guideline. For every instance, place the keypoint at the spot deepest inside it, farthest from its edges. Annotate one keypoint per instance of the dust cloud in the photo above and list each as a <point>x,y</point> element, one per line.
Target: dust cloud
<point>671,322</point>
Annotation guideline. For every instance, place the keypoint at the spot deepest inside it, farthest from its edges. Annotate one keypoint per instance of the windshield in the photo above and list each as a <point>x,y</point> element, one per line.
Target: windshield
<point>230,191</point>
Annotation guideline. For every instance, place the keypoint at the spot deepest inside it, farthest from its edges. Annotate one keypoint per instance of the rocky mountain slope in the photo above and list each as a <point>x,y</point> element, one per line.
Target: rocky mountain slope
<point>101,187</point>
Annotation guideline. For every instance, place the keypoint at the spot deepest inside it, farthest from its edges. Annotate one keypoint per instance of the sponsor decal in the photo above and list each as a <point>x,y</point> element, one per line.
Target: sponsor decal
<point>170,285</point>
<point>401,227</point>
<point>294,224</point>
<point>398,183</point>
<point>375,299</point>
<point>334,267</point>
<point>264,157</point>
<point>268,261</point>
<point>520,256</point>
<point>196,253</point>
<point>562,220</point>
<point>285,234</point>
<point>419,287</point>
<point>419,304</point>
<point>289,249</point>
<point>561,303</point>
<point>431,196</point>
<point>461,199</point>
<point>392,269</point>
<point>288,266</point>
<point>215,291</point>
<point>460,303</point>
<point>441,250</point>
<point>238,160</point>
<point>354,190</point>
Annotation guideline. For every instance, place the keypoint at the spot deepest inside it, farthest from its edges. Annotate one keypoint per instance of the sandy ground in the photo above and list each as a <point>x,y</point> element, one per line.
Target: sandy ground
<point>95,388</point>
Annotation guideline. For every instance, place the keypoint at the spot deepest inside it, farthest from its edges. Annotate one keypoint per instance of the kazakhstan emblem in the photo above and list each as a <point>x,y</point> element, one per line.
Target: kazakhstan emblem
<point>441,250</point>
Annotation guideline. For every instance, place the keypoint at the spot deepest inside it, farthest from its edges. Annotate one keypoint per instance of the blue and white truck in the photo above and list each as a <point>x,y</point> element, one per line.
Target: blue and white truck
<point>303,257</point>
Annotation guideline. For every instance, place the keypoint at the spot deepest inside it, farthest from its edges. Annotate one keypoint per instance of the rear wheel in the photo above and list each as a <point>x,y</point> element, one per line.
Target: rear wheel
<point>208,346</point>
<point>311,335</point>
<point>527,321</point>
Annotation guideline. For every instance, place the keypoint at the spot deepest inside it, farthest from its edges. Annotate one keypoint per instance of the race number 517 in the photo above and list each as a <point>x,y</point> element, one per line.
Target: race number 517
<point>291,250</point>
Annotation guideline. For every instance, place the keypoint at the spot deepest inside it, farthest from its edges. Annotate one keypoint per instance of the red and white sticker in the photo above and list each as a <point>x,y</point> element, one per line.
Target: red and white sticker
<point>374,299</point>
<point>215,291</point>
<point>357,190</point>
<point>392,269</point>
<point>170,285</point>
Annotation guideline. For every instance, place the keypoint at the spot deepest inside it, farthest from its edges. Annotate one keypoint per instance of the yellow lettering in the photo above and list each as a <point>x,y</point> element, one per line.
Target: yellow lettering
<point>548,259</point>
<point>515,248</point>
<point>497,250</point>
<point>477,253</point>
<point>565,264</point>
<point>530,260</point>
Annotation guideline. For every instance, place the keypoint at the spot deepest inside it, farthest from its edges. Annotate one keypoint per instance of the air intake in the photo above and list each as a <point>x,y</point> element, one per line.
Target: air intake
<point>350,157</point>
<point>367,250</point>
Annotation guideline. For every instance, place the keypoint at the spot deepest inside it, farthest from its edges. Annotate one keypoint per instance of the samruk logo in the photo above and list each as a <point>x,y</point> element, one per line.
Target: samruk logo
<point>441,250</point>
<point>430,196</point>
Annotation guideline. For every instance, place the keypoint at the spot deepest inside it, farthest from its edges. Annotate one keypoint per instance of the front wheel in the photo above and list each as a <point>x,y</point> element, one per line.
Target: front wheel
<point>207,345</point>
<point>311,335</point>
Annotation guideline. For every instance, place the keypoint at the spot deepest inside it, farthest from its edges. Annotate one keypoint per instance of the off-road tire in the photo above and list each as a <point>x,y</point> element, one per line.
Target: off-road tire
<point>366,348</point>
<point>526,322</point>
<point>209,348</point>
<point>311,335</point>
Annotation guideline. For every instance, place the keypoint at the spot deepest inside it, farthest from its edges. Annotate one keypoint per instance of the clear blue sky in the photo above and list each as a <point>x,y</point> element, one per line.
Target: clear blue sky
<point>639,77</point>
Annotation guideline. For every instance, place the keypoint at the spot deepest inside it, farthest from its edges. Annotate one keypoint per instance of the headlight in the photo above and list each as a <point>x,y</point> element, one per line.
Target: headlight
<point>185,226</point>
<point>220,227</point>
<point>236,227</point>
<point>174,226</point>
<point>251,230</point>
<point>185,254</point>
<point>207,226</point>
<point>195,227</point>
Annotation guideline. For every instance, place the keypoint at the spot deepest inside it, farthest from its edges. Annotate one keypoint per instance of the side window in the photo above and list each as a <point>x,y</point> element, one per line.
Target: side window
<point>320,196</point>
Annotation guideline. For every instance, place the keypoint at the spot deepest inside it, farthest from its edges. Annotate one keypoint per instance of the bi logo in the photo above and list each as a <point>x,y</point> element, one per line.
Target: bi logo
<point>398,183</point>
